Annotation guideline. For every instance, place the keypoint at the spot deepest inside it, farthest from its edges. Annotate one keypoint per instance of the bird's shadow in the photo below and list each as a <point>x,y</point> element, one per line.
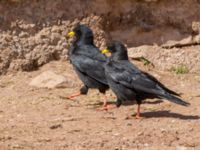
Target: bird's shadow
<point>127,103</point>
<point>168,114</point>
<point>154,114</point>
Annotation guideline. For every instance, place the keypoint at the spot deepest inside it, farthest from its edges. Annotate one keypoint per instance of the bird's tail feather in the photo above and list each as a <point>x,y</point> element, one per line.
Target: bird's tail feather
<point>174,99</point>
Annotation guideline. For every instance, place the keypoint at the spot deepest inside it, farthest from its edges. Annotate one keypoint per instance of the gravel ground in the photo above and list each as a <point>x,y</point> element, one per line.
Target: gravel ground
<point>33,118</point>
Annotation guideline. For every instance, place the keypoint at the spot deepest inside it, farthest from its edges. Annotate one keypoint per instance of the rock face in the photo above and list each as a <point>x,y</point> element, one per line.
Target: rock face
<point>33,35</point>
<point>27,48</point>
<point>167,59</point>
<point>49,79</point>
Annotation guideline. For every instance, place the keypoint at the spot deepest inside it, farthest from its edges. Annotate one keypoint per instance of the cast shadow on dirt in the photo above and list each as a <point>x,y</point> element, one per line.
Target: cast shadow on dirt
<point>154,114</point>
<point>126,103</point>
<point>168,114</point>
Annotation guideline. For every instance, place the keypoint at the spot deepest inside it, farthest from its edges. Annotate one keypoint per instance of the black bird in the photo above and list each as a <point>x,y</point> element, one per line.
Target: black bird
<point>129,83</point>
<point>88,61</point>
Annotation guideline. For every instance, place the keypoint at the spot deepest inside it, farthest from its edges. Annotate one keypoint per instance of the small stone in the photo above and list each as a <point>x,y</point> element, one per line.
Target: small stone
<point>55,126</point>
<point>49,79</point>
<point>129,124</point>
<point>23,34</point>
<point>56,29</point>
<point>173,121</point>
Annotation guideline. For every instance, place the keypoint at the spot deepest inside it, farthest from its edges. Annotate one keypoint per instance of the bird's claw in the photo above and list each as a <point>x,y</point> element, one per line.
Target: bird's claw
<point>106,107</point>
<point>137,117</point>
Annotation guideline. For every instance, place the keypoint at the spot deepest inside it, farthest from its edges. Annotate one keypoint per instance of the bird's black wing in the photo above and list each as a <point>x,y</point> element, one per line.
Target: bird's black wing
<point>92,52</point>
<point>91,64</point>
<point>128,75</point>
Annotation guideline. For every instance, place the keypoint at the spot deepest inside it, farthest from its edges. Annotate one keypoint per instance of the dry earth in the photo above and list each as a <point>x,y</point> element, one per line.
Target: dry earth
<point>34,35</point>
<point>34,118</point>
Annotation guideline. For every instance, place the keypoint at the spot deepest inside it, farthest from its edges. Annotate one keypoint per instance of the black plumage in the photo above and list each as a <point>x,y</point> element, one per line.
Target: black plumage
<point>129,83</point>
<point>87,60</point>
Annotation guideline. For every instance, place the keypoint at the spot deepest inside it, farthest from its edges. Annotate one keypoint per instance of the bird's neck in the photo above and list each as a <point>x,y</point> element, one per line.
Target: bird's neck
<point>119,56</point>
<point>88,40</point>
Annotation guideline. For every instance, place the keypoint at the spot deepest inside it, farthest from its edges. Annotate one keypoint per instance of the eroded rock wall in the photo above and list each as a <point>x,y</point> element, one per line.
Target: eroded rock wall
<point>32,32</point>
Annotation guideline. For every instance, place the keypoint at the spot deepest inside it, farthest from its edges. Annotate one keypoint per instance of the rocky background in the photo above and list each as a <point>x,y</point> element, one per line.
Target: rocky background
<point>163,39</point>
<point>32,32</point>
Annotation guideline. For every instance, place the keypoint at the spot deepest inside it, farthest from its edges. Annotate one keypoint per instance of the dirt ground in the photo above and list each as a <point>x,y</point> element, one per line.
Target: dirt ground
<point>32,118</point>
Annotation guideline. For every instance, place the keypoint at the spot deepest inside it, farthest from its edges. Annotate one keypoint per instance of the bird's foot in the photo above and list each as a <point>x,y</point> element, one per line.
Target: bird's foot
<point>128,117</point>
<point>138,112</point>
<point>137,116</point>
<point>71,97</point>
<point>106,107</point>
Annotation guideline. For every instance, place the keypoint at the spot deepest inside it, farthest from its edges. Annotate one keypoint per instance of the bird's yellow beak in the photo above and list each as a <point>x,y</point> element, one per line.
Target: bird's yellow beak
<point>105,51</point>
<point>71,34</point>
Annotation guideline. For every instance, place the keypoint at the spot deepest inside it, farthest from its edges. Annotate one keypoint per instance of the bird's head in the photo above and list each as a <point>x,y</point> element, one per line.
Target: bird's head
<point>117,49</point>
<point>81,33</point>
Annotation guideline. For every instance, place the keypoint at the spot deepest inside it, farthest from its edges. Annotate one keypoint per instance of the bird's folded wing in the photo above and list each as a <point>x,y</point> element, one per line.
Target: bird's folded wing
<point>91,67</point>
<point>91,52</point>
<point>132,78</point>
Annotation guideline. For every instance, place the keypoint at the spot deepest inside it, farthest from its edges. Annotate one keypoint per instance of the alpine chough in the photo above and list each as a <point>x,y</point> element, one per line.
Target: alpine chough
<point>88,61</point>
<point>129,83</point>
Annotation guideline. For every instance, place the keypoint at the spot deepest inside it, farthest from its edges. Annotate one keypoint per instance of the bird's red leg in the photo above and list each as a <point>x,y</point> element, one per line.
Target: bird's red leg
<point>138,112</point>
<point>105,105</point>
<point>105,101</point>
<point>71,97</point>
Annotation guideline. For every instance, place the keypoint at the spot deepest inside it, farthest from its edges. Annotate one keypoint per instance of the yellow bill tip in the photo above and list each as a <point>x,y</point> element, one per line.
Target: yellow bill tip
<point>71,34</point>
<point>105,51</point>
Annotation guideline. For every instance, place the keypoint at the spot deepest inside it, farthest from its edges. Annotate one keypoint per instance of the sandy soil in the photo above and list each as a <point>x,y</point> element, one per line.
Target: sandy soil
<point>32,118</point>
